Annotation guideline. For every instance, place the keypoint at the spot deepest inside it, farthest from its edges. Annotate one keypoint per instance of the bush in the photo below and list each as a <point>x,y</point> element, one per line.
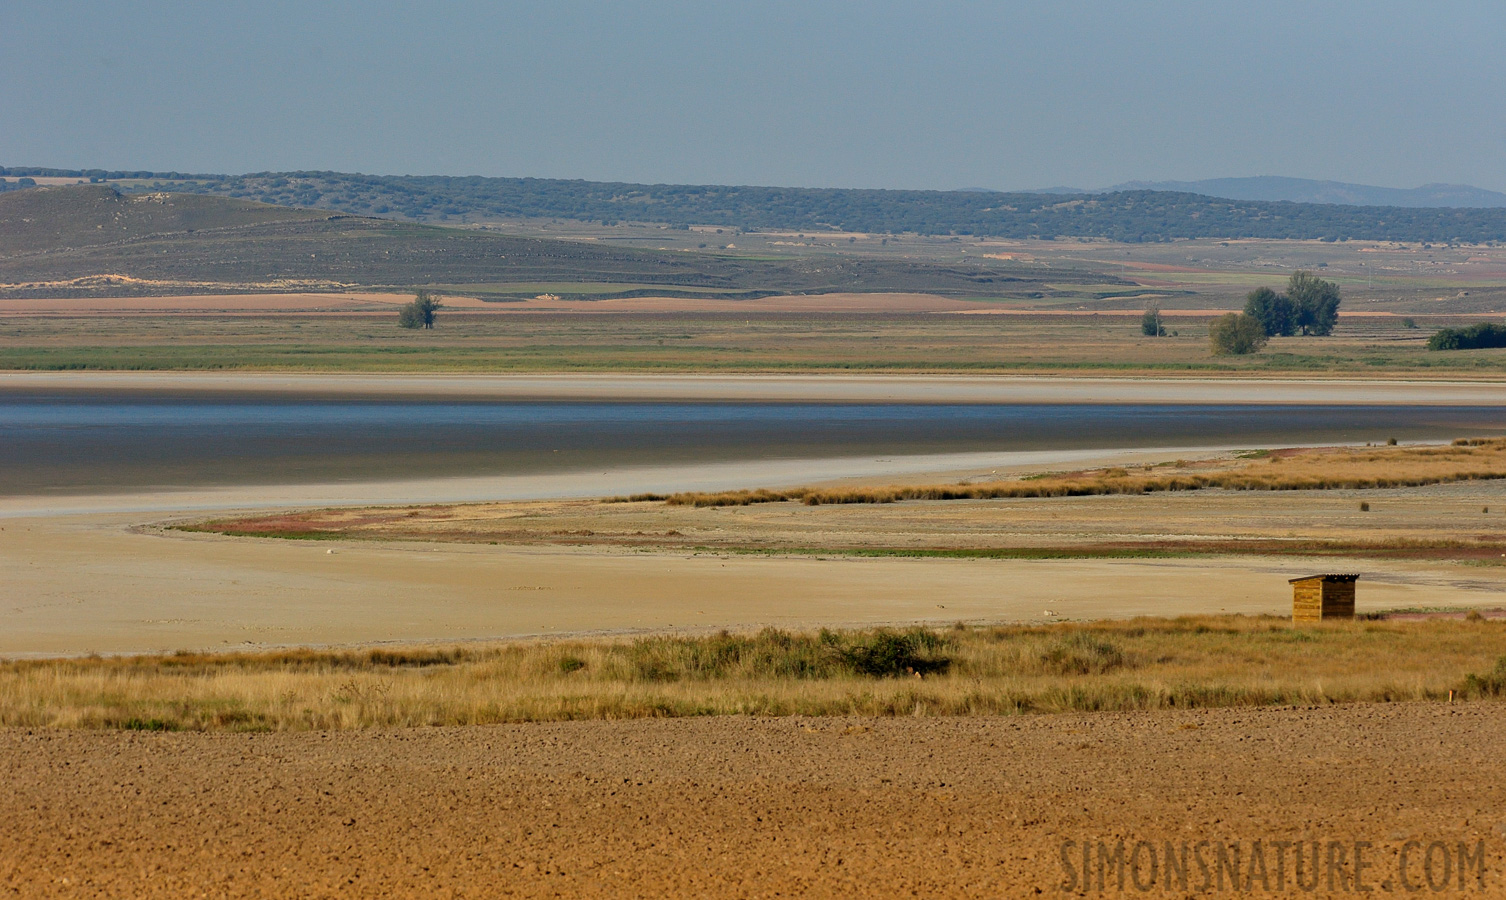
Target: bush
<point>419,313</point>
<point>1236,334</point>
<point>1082,654</point>
<point>889,653</point>
<point>1150,323</point>
<point>1475,337</point>
<point>779,654</point>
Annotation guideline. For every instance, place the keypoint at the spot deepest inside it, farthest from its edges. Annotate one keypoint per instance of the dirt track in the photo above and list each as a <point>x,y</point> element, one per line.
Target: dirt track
<point>734,806</point>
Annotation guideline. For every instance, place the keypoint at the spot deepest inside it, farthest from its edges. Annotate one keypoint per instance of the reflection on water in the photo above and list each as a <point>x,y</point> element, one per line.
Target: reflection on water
<point>71,442</point>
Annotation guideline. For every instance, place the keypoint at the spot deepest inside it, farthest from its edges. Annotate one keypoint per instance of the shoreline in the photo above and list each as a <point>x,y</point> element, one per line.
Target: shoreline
<point>833,388</point>
<point>580,484</point>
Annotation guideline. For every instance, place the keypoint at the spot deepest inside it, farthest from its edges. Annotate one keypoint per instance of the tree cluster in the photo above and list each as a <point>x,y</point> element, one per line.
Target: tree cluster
<point>1309,306</point>
<point>420,313</point>
<point>1474,337</point>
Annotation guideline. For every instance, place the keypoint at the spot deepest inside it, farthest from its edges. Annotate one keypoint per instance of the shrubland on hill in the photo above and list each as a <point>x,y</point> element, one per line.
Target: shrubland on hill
<point>1121,215</point>
<point>92,238</point>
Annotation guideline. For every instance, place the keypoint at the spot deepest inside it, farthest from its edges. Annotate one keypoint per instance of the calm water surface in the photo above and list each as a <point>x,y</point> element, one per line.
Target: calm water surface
<point>65,443</point>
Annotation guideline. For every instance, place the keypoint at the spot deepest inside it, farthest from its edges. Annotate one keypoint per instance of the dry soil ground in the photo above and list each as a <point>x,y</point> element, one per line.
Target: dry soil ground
<point>736,807</point>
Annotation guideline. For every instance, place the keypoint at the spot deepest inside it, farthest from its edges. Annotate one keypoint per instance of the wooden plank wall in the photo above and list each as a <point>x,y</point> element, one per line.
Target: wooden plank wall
<point>1307,601</point>
<point>1314,600</point>
<point>1338,600</point>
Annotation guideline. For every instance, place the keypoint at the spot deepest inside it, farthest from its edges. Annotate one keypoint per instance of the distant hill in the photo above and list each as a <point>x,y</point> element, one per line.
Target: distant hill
<point>1303,190</point>
<point>51,218</point>
<point>91,239</point>
<point>1130,215</point>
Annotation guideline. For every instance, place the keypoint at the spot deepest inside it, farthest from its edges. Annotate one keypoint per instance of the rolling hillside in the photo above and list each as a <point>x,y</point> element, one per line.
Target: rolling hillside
<point>91,239</point>
<point>1141,215</point>
<point>50,219</point>
<point>1306,190</point>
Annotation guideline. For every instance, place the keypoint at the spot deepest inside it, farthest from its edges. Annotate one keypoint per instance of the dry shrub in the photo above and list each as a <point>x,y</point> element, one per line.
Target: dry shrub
<point>1081,653</point>
<point>773,653</point>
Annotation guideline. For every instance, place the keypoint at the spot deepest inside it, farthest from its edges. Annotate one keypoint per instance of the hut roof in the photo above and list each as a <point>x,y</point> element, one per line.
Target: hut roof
<point>1324,578</point>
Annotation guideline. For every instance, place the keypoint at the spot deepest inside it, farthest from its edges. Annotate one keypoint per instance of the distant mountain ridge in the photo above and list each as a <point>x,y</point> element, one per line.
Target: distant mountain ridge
<point>1306,190</point>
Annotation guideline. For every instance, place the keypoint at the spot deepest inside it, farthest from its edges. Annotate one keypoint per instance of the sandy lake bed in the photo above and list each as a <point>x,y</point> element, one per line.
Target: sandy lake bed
<point>81,574</point>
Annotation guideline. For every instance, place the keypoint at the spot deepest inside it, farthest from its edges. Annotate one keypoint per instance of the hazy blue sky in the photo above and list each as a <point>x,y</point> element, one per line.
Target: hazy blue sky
<point>873,94</point>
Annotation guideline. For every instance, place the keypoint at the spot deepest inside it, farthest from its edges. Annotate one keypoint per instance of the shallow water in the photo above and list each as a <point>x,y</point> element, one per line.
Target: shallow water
<point>53,442</point>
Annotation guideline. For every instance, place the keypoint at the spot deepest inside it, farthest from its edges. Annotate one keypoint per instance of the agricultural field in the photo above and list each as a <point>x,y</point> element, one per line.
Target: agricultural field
<point>327,335</point>
<point>759,805</point>
<point>94,279</point>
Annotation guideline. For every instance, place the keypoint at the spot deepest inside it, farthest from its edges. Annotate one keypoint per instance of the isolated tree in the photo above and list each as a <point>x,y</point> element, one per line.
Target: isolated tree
<point>1315,303</point>
<point>419,313</point>
<point>1236,334</point>
<point>1150,323</point>
<point>1275,313</point>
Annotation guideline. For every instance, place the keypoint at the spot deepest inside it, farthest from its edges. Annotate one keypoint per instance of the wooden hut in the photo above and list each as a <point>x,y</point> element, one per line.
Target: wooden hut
<point>1319,597</point>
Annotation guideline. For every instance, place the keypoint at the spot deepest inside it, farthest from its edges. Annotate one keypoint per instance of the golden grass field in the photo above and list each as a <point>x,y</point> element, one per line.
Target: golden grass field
<point>1141,664</point>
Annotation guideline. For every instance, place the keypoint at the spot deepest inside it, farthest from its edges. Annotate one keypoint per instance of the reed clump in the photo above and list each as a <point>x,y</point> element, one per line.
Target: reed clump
<point>1467,459</point>
<point>962,670</point>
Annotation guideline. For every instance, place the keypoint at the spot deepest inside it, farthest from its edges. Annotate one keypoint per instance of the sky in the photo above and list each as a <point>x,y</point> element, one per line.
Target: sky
<point>880,93</point>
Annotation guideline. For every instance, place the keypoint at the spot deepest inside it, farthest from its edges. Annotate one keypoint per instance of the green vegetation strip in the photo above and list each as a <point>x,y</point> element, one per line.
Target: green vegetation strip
<point>685,358</point>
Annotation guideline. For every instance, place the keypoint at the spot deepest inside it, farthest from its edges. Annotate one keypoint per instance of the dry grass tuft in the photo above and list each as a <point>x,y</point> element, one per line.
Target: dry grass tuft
<point>962,670</point>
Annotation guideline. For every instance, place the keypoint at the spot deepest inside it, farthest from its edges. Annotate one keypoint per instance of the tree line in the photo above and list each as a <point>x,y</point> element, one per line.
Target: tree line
<point>1480,336</point>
